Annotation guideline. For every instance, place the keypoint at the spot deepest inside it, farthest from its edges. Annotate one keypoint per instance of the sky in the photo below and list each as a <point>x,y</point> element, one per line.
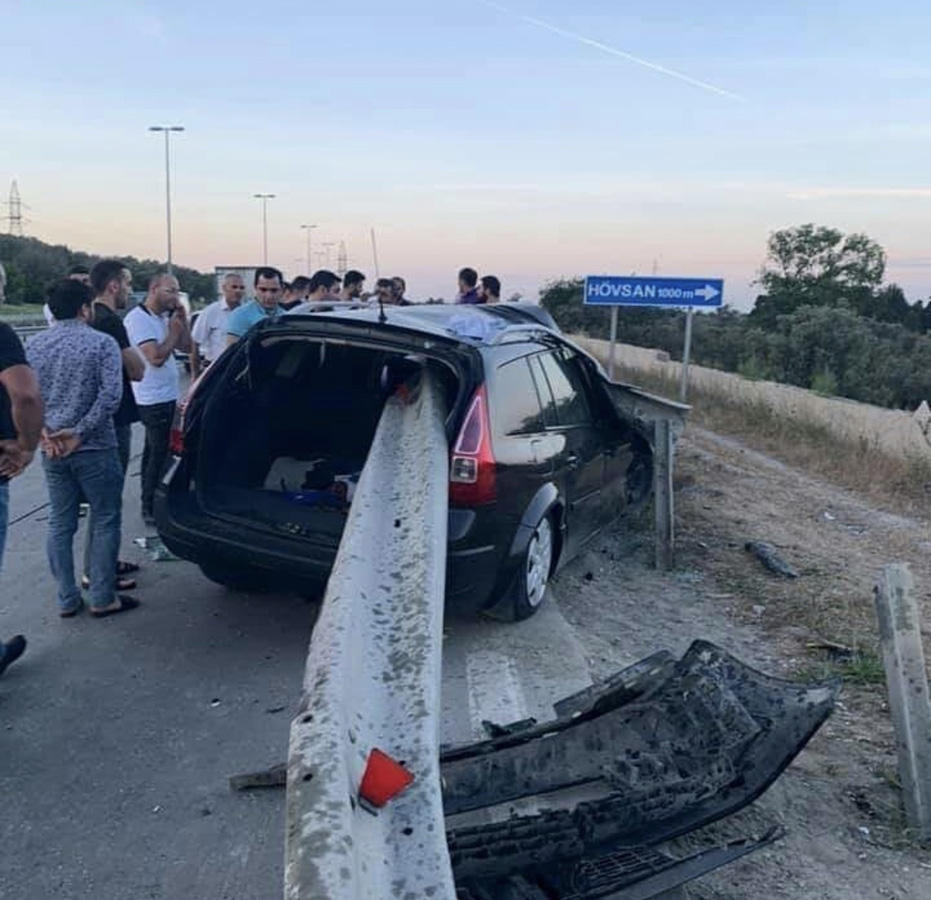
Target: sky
<point>531,140</point>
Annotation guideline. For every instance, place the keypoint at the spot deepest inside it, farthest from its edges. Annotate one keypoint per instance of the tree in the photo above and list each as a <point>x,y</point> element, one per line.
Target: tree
<point>31,265</point>
<point>813,265</point>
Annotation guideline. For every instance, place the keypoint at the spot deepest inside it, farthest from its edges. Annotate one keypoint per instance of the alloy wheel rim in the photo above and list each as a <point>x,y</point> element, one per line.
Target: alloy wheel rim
<point>539,559</point>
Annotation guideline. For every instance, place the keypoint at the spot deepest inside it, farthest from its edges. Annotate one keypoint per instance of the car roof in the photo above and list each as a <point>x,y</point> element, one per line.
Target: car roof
<point>474,324</point>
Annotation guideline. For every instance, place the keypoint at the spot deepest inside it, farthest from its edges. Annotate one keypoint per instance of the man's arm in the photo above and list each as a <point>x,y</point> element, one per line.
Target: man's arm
<point>133,363</point>
<point>27,412</point>
<point>156,352</point>
<point>200,331</point>
<point>110,393</point>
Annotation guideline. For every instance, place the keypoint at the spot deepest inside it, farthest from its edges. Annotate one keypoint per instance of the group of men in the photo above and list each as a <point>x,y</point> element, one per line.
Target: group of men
<point>79,386</point>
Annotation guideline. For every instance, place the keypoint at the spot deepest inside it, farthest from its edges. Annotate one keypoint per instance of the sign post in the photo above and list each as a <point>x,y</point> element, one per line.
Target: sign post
<point>613,342</point>
<point>686,353</point>
<point>631,290</point>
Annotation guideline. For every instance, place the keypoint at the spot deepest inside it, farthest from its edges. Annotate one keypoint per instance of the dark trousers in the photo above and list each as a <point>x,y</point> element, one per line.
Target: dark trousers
<point>157,420</point>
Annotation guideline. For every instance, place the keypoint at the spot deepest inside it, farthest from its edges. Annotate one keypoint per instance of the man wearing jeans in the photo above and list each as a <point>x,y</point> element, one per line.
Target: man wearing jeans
<point>20,426</point>
<point>157,327</point>
<point>111,282</point>
<point>80,374</point>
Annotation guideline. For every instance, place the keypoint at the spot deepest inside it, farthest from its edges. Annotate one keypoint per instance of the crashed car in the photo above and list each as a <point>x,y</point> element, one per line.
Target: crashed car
<point>276,432</point>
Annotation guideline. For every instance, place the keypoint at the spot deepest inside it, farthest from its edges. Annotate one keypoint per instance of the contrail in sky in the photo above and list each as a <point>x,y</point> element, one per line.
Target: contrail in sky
<point>613,51</point>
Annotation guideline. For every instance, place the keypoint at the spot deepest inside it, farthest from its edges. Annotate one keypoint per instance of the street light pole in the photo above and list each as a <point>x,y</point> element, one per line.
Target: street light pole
<point>264,198</point>
<point>308,229</point>
<point>167,129</point>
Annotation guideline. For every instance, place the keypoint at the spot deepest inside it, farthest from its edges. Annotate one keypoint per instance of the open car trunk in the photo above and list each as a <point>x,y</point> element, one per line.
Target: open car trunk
<point>283,445</point>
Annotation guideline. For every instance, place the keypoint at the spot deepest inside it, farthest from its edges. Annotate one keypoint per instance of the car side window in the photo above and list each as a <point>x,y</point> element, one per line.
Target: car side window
<point>546,395</point>
<point>568,390</point>
<point>515,403</point>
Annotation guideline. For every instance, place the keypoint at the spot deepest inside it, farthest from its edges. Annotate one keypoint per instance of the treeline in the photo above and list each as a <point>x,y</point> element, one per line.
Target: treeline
<point>824,322</point>
<point>31,265</point>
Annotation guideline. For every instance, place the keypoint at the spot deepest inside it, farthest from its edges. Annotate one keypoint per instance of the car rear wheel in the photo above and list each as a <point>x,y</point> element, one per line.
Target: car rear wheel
<point>534,574</point>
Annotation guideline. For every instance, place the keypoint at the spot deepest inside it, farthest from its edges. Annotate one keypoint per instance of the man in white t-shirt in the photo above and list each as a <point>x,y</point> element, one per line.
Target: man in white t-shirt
<point>157,327</point>
<point>209,332</point>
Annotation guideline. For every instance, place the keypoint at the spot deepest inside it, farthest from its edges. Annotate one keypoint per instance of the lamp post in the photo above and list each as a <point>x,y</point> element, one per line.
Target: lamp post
<point>166,130</point>
<point>308,229</point>
<point>264,198</point>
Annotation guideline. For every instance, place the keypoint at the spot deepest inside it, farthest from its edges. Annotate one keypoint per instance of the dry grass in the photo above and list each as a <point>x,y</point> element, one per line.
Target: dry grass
<point>898,482</point>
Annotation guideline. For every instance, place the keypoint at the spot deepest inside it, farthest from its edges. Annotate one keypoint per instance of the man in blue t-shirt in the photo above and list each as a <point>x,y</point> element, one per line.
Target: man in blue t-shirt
<point>267,304</point>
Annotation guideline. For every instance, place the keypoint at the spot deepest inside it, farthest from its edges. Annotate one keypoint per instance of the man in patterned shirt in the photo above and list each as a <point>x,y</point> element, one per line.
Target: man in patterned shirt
<point>80,374</point>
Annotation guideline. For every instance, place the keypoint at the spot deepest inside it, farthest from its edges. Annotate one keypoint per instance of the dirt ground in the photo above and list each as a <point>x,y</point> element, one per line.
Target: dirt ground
<point>839,800</point>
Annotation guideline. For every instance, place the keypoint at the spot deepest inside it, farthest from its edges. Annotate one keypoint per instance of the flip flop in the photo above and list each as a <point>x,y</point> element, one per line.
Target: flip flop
<point>71,613</point>
<point>126,604</point>
<point>126,568</point>
<point>122,584</point>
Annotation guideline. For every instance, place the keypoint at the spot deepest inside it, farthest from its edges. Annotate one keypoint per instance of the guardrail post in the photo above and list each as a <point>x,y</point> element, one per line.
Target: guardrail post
<point>907,684</point>
<point>662,493</point>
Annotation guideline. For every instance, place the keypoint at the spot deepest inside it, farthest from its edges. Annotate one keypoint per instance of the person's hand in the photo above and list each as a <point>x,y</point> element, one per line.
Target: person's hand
<point>177,324</point>
<point>14,458</point>
<point>61,443</point>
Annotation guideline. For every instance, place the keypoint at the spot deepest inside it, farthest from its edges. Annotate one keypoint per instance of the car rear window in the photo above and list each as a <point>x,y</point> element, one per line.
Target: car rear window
<point>515,403</point>
<point>568,389</point>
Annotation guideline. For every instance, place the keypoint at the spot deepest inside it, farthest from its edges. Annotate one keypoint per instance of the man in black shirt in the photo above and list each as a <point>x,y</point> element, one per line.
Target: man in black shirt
<point>20,427</point>
<point>111,282</point>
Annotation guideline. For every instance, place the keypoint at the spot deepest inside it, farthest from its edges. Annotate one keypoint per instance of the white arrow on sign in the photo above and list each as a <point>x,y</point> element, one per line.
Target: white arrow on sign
<point>707,292</point>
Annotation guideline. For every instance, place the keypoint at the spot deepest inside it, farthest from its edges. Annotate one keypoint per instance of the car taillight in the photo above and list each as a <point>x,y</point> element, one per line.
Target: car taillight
<point>176,441</point>
<point>176,435</point>
<point>472,479</point>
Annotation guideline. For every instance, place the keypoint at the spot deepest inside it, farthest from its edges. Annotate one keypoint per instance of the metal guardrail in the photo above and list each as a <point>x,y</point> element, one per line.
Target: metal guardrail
<point>25,332</point>
<point>373,678</point>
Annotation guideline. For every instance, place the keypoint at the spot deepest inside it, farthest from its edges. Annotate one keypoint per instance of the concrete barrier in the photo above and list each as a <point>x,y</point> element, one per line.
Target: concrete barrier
<point>892,431</point>
<point>373,679</point>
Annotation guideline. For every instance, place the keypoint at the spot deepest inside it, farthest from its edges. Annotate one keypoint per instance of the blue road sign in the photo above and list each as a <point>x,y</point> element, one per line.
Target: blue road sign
<point>622,290</point>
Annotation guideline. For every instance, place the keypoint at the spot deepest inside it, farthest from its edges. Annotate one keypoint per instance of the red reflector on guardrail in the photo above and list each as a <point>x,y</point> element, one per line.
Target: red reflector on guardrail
<point>383,780</point>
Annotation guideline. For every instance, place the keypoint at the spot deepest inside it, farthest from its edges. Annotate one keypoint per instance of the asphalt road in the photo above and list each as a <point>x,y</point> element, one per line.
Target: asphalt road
<point>117,737</point>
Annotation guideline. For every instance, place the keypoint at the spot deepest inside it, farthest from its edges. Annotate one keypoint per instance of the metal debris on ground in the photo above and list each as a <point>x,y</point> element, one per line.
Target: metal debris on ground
<point>671,744</point>
<point>272,777</point>
<point>156,548</point>
<point>766,554</point>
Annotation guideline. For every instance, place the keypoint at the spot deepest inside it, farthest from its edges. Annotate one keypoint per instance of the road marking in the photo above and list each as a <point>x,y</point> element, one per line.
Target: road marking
<point>495,693</point>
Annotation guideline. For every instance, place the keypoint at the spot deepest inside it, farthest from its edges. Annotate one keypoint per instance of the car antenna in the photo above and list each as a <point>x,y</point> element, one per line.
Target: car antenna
<point>382,318</point>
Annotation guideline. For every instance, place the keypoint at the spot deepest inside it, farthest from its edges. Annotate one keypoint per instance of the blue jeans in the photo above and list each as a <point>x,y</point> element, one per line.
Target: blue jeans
<point>123,442</point>
<point>98,475</point>
<point>4,514</point>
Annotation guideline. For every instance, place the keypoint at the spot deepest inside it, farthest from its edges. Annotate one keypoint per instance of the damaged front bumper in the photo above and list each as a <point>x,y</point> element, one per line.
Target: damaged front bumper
<point>658,751</point>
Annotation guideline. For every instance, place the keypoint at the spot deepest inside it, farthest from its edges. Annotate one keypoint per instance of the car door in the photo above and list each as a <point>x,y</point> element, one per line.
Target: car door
<point>524,453</point>
<point>580,463</point>
<point>617,440</point>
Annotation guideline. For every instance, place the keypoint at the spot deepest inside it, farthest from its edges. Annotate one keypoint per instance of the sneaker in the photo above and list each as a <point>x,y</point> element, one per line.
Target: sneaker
<point>12,651</point>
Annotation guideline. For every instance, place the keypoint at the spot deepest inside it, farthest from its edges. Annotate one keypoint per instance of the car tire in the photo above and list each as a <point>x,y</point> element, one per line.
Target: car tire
<point>235,579</point>
<point>529,589</point>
